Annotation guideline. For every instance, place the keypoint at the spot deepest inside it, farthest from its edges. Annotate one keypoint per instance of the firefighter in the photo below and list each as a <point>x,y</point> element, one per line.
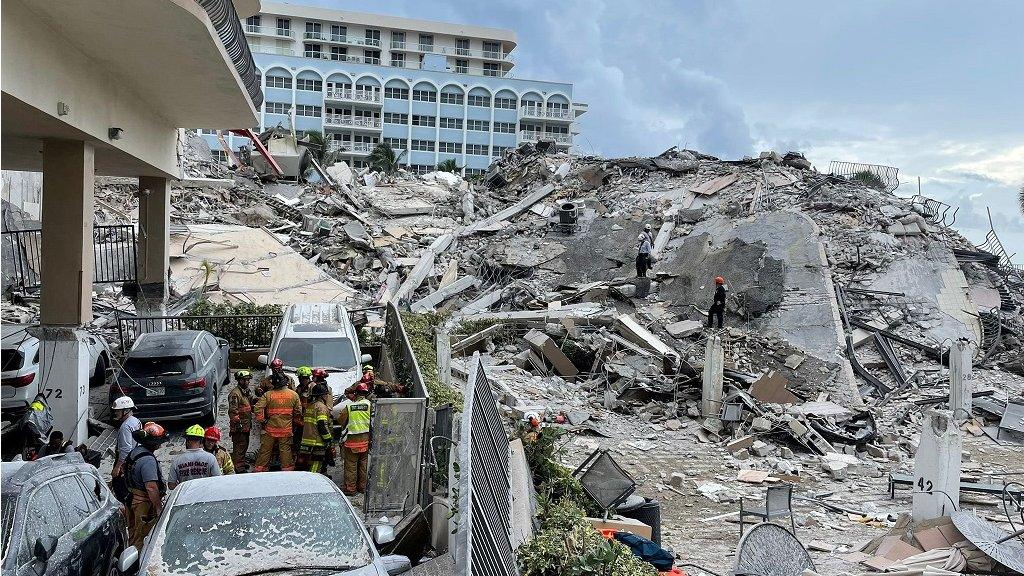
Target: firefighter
<point>317,441</point>
<point>354,416</point>
<point>211,442</point>
<point>145,481</point>
<point>276,374</point>
<point>305,376</point>
<point>277,411</point>
<point>240,401</point>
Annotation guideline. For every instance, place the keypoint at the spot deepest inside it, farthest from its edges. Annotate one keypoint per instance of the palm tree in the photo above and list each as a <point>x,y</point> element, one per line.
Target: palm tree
<point>449,165</point>
<point>383,159</point>
<point>320,148</point>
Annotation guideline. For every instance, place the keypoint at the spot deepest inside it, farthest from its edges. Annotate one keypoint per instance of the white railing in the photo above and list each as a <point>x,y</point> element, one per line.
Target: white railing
<point>353,95</point>
<point>534,136</point>
<point>273,50</point>
<point>408,64</point>
<point>254,29</point>
<point>344,39</point>
<point>425,47</point>
<point>359,148</point>
<point>541,112</point>
<point>354,121</point>
<point>283,32</point>
<point>398,44</point>
<point>307,35</point>
<point>466,52</point>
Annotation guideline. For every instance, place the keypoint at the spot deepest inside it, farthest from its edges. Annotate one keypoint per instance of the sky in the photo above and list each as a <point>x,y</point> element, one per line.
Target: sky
<point>933,87</point>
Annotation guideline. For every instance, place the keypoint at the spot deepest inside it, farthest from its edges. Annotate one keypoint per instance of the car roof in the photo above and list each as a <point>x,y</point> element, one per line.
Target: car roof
<point>15,334</point>
<point>257,485</point>
<point>318,313</point>
<point>15,475</point>
<point>167,343</point>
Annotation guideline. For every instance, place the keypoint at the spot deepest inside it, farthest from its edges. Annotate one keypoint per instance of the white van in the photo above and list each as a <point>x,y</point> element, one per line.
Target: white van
<point>319,336</point>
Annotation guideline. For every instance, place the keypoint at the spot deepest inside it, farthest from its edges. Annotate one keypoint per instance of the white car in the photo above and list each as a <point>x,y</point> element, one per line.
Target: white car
<point>19,382</point>
<point>283,523</point>
<point>319,336</point>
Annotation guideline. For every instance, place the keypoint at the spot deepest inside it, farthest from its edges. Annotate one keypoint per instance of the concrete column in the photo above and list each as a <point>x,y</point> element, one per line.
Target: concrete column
<point>67,273</point>
<point>714,363</point>
<point>67,242</point>
<point>960,375</point>
<point>154,252</point>
<point>937,467</point>
<point>444,356</point>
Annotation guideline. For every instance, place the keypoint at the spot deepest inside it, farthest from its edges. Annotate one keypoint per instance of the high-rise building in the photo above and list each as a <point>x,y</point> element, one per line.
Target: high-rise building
<point>435,90</point>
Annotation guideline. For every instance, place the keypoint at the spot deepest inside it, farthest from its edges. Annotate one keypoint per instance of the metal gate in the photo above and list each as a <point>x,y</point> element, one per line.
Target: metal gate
<point>114,255</point>
<point>394,473</point>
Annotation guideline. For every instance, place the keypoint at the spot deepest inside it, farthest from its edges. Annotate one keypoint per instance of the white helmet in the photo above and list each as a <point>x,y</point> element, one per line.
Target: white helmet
<point>123,403</point>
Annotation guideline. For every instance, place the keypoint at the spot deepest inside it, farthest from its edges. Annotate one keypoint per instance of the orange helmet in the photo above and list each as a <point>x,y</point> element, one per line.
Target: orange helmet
<point>362,387</point>
<point>150,435</point>
<point>276,363</point>
<point>319,373</point>
<point>719,280</point>
<point>212,433</point>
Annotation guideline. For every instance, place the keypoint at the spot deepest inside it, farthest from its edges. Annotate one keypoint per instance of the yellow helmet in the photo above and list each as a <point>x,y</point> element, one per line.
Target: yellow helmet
<point>195,431</point>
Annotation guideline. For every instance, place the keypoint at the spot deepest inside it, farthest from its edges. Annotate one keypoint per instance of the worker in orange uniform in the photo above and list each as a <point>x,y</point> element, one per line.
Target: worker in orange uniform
<point>277,374</point>
<point>240,401</point>
<point>354,415</point>
<point>211,442</point>
<point>317,440</point>
<point>277,411</point>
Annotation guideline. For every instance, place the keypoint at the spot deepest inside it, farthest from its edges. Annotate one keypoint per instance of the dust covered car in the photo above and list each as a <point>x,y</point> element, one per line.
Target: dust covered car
<point>283,523</point>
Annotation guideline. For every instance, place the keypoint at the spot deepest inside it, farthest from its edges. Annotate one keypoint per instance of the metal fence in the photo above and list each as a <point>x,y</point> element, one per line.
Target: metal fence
<point>241,331</point>
<point>889,175</point>
<point>400,360</point>
<point>483,539</point>
<point>992,245</point>
<point>394,473</point>
<point>114,255</point>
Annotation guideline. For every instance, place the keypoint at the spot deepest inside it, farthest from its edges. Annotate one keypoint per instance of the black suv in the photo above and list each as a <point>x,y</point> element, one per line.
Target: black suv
<point>59,518</point>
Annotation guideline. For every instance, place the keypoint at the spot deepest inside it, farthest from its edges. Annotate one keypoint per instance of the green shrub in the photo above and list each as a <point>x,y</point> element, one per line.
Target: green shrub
<point>420,328</point>
<point>869,179</point>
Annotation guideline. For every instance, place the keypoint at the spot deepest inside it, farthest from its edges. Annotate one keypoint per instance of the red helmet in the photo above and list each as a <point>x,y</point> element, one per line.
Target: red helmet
<point>319,373</point>
<point>212,433</point>
<point>277,363</point>
<point>719,280</point>
<point>362,387</point>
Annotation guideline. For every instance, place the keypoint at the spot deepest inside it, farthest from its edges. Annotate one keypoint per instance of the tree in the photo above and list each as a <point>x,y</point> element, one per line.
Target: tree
<point>320,148</point>
<point>449,165</point>
<point>383,159</point>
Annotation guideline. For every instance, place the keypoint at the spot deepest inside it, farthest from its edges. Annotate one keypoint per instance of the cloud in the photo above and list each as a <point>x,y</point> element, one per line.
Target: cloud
<point>1005,166</point>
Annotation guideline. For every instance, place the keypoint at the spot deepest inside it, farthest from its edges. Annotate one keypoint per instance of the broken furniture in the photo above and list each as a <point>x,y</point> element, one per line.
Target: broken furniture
<point>1006,549</point>
<point>605,481</point>
<point>770,550</point>
<point>778,502</point>
<point>965,486</point>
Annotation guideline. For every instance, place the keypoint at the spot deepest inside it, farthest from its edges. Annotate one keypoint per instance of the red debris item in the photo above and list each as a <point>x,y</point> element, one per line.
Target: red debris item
<point>608,533</point>
<point>674,572</point>
<point>560,419</point>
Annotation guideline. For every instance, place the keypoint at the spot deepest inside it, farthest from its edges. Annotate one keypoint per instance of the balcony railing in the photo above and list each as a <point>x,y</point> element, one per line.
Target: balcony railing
<point>357,148</point>
<point>310,35</point>
<point>353,121</point>
<point>548,113</point>
<point>283,32</point>
<point>495,73</point>
<point>274,50</point>
<point>464,52</point>
<point>229,29</point>
<point>534,136</point>
<point>408,64</point>
<point>425,47</point>
<point>371,60</point>
<point>372,96</point>
<point>398,44</point>
<point>253,29</point>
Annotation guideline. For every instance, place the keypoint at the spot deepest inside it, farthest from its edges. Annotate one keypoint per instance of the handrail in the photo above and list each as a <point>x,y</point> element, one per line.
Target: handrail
<point>229,28</point>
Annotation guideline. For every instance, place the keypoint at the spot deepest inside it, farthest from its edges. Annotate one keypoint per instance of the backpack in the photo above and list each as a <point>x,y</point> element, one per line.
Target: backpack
<point>121,486</point>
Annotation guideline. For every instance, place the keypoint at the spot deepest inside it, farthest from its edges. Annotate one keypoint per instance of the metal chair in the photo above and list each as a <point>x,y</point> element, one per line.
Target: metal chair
<point>777,502</point>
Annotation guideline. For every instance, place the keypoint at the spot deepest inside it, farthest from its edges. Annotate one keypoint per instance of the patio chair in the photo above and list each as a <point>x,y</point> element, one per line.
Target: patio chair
<point>778,502</point>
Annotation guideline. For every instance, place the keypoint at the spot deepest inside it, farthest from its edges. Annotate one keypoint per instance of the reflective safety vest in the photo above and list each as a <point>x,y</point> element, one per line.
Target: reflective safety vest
<point>277,410</point>
<point>359,417</point>
<point>316,429</point>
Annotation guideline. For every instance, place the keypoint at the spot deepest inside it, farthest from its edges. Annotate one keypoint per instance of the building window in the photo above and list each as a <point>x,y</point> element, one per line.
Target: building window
<point>450,147</point>
<point>418,120</point>
<point>452,123</point>
<point>505,127</point>
<point>475,171</point>
<point>395,118</point>
<point>476,149</point>
<point>395,143</point>
<point>278,107</point>
<point>398,40</point>
<point>451,98</point>
<point>497,151</point>
<point>396,93</point>
<point>477,100</point>
<point>252,23</point>
<point>339,33</point>
<point>492,69</point>
<point>398,59</point>
<point>307,110</point>
<point>284,27</point>
<point>506,103</point>
<point>462,66</point>
<point>462,46</point>
<point>423,145</point>
<point>426,43</point>
<point>371,57</point>
<point>479,125</point>
<point>557,129</point>
<point>339,53</point>
<point>220,156</point>
<point>279,82</point>
<point>314,31</point>
<point>308,84</point>
<point>492,49</point>
<point>373,38</point>
<point>312,50</point>
<point>424,95</point>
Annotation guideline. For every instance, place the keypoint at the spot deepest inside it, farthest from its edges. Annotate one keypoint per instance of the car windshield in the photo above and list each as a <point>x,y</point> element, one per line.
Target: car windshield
<point>8,504</point>
<point>333,352</point>
<point>161,366</point>
<point>233,537</point>
<point>11,360</point>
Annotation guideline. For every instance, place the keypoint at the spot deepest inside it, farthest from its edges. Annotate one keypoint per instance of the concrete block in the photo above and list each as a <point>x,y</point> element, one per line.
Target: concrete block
<point>760,448</point>
<point>739,444</point>
<point>676,479</point>
<point>761,424</point>
<point>684,328</point>
<point>837,470</point>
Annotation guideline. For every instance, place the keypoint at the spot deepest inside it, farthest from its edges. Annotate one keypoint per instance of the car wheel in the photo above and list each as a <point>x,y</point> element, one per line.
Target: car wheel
<point>99,375</point>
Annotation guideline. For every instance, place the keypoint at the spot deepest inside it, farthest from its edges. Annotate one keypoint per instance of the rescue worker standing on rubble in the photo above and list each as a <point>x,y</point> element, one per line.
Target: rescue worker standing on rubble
<point>354,416</point>
<point>211,442</point>
<point>643,255</point>
<point>145,481</point>
<point>240,419</point>
<point>195,462</point>
<point>717,309</point>
<point>127,425</point>
<point>277,411</point>
<point>317,448</point>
